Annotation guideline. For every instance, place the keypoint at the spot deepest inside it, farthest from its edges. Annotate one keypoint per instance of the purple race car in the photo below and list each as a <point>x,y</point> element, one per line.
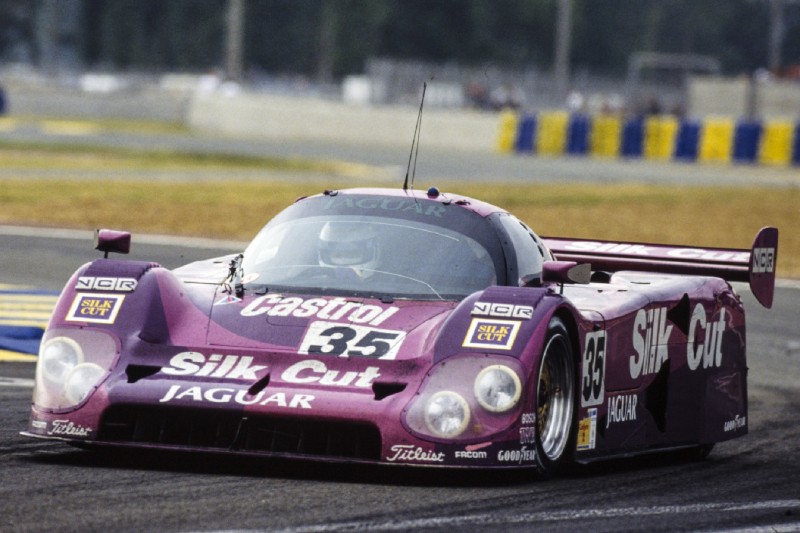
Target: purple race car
<point>404,327</point>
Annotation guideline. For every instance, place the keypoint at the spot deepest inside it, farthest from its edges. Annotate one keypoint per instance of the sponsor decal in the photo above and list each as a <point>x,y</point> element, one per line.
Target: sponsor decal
<point>621,409</point>
<point>527,435</point>
<point>96,308</point>
<point>333,309</point>
<point>738,422</point>
<point>68,428</point>
<point>643,250</point>
<point>491,333</point>
<point>471,454</point>
<point>38,424</point>
<point>523,312</point>
<point>593,380</point>
<point>316,372</point>
<point>213,366</point>
<point>523,455</point>
<point>227,300</point>
<point>708,353</point>
<point>528,419</point>
<point>708,255</point>
<point>386,204</point>
<point>609,247</point>
<point>587,431</point>
<point>91,283</point>
<point>409,452</point>
<point>650,340</point>
<point>763,260</point>
<point>330,338</point>
<point>241,397</point>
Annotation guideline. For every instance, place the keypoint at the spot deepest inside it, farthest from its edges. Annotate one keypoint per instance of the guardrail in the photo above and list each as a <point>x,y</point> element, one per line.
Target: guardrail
<point>657,137</point>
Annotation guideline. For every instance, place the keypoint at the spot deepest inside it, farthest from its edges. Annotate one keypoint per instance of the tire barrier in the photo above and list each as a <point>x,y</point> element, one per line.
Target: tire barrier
<point>656,137</point>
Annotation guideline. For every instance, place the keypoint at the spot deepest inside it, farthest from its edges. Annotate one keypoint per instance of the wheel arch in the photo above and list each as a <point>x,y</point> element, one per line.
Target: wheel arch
<point>568,318</point>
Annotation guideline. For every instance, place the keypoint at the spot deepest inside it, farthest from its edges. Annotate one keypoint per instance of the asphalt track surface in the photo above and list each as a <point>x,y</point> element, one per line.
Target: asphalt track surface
<point>752,483</point>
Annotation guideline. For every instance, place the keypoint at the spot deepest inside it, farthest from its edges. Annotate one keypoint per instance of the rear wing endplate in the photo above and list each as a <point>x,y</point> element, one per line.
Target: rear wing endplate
<point>755,266</point>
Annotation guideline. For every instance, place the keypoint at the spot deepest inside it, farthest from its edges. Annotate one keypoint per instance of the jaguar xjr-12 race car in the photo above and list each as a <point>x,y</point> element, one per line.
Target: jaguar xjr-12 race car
<point>405,327</point>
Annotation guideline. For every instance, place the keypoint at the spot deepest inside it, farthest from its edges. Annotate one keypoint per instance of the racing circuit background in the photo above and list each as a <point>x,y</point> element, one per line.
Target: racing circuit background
<point>747,484</point>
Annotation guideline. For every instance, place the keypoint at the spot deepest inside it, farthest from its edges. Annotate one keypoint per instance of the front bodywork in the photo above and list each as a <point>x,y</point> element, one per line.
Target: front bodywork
<point>183,360</point>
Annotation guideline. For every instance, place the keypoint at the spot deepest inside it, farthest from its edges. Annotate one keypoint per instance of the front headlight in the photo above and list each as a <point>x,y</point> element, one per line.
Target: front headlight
<point>57,358</point>
<point>81,380</point>
<point>446,414</point>
<point>466,398</point>
<point>497,388</point>
<point>72,363</point>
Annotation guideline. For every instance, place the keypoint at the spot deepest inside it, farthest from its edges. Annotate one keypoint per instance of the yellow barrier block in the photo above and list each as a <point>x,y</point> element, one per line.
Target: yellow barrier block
<point>6,355</point>
<point>775,147</point>
<point>716,141</point>
<point>605,136</point>
<point>507,132</point>
<point>660,134</point>
<point>551,138</point>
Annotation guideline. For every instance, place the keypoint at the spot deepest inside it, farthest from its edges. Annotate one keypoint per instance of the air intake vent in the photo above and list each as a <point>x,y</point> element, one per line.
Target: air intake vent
<point>222,431</point>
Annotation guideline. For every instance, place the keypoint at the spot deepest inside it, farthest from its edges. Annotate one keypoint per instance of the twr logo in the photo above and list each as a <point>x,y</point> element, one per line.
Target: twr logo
<point>763,260</point>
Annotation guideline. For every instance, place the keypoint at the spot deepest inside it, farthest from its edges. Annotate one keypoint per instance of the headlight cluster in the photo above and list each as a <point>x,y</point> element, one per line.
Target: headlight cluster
<point>447,414</point>
<point>71,367</point>
<point>464,397</point>
<point>497,388</point>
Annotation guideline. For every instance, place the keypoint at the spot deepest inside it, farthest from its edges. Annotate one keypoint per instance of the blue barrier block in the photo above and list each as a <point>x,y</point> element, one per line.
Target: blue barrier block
<point>633,138</point>
<point>20,339</point>
<point>578,135</point>
<point>796,145</point>
<point>527,134</point>
<point>688,141</point>
<point>745,141</point>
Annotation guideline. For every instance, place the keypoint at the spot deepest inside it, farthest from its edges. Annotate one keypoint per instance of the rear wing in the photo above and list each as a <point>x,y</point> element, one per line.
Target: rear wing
<point>755,266</point>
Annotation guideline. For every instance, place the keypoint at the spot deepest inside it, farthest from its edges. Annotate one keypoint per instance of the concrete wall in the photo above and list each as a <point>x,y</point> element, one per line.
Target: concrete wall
<point>286,117</point>
<point>717,97</point>
<point>778,100</point>
<point>65,102</point>
<point>741,97</point>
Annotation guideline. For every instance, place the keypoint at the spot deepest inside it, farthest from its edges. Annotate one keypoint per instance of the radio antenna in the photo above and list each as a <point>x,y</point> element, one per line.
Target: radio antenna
<point>415,142</point>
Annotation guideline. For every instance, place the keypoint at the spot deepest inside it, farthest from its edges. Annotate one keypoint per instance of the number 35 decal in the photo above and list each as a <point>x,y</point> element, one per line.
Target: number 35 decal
<point>594,369</point>
<point>345,340</point>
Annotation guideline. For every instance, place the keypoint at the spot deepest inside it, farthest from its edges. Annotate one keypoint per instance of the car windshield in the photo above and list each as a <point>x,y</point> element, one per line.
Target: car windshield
<point>372,255</point>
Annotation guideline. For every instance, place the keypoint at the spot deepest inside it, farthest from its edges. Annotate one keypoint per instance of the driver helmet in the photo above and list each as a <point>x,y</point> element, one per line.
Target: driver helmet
<point>348,244</point>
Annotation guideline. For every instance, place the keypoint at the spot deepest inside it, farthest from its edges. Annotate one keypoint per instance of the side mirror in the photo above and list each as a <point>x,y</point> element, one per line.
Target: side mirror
<point>566,272</point>
<point>109,240</point>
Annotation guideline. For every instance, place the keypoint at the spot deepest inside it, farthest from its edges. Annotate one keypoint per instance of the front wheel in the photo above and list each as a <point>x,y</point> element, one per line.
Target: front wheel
<point>555,399</point>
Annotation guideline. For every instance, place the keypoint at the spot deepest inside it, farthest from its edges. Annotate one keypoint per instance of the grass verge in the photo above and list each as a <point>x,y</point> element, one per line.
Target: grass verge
<point>709,217</point>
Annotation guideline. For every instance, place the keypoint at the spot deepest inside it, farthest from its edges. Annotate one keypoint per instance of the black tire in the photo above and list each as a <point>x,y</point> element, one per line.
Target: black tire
<point>555,400</point>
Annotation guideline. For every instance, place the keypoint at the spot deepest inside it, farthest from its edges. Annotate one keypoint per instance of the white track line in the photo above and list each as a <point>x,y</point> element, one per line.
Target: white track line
<point>16,382</point>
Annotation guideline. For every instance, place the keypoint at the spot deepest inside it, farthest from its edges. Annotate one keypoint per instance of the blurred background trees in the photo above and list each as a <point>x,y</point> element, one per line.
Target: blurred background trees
<point>328,39</point>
